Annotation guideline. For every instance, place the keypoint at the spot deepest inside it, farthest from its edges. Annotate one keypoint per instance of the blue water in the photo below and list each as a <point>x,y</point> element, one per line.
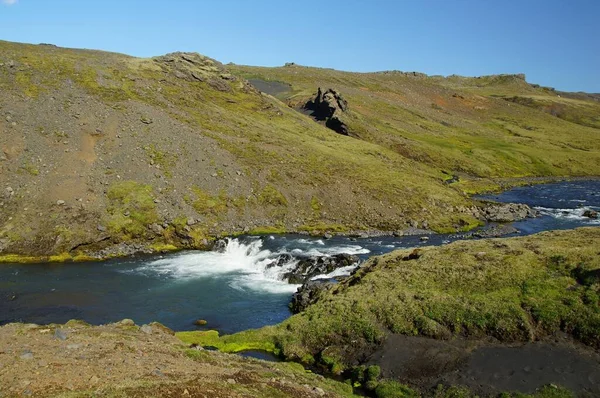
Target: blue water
<point>233,290</point>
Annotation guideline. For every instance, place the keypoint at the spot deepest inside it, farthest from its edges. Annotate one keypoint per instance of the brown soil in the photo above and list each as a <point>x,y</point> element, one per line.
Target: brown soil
<point>126,360</point>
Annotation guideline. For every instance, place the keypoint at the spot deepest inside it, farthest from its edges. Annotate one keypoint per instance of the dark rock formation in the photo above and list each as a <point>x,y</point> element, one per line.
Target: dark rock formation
<point>590,214</point>
<point>308,294</point>
<point>329,106</point>
<point>310,267</point>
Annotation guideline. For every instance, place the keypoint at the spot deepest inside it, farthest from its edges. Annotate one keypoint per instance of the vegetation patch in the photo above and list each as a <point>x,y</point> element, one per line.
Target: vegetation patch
<point>271,196</point>
<point>131,209</point>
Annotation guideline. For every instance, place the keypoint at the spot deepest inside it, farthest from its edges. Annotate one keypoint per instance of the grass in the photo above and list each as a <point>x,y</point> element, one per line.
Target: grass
<point>243,341</point>
<point>435,120</point>
<point>516,289</point>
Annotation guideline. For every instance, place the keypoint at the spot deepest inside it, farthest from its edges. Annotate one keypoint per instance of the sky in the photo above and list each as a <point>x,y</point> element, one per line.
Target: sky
<point>555,43</point>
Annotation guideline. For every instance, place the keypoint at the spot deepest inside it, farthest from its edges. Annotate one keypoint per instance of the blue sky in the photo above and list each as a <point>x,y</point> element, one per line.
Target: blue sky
<point>554,42</point>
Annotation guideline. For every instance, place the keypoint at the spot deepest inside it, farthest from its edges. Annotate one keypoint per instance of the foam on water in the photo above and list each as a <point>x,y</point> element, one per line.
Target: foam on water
<point>569,214</point>
<point>246,264</point>
<point>343,271</point>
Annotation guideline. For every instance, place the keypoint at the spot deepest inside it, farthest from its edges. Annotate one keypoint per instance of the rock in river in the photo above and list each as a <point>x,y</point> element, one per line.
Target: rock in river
<point>310,267</point>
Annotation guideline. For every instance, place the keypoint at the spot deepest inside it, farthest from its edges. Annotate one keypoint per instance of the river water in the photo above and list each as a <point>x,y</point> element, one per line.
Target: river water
<point>232,290</point>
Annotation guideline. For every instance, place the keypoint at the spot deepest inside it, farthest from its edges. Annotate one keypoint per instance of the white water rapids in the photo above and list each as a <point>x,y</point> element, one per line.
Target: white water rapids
<point>246,264</point>
<point>570,214</point>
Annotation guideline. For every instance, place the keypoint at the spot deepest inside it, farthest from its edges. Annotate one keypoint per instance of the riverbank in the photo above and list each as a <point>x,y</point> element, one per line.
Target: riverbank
<point>125,360</point>
<point>507,291</point>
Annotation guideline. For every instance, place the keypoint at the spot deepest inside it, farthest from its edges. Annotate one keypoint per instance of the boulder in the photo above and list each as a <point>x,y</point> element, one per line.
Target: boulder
<point>507,212</point>
<point>590,214</point>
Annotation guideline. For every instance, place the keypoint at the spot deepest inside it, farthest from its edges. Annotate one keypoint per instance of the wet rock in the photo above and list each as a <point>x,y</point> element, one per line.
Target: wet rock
<point>200,322</point>
<point>220,245</point>
<point>310,267</point>
<point>308,294</point>
<point>590,214</point>
<point>281,260</point>
<point>424,238</point>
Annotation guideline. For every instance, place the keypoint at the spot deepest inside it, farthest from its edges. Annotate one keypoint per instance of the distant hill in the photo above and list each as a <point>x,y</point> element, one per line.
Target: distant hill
<point>104,154</point>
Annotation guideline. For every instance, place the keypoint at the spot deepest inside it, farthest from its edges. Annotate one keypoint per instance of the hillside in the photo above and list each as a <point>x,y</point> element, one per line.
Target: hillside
<point>104,154</point>
<point>484,127</point>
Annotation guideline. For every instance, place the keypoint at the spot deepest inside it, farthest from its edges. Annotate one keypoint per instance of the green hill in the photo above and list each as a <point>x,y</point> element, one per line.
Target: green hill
<point>105,154</point>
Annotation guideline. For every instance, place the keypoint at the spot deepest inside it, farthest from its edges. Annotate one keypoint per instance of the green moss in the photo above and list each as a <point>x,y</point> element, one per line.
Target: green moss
<point>321,228</point>
<point>454,223</point>
<point>271,196</point>
<point>60,258</point>
<point>267,230</point>
<point>206,204</point>
<point>131,208</point>
<point>159,247</point>
<point>247,340</point>
<point>20,259</point>
<point>393,389</point>
<point>315,205</point>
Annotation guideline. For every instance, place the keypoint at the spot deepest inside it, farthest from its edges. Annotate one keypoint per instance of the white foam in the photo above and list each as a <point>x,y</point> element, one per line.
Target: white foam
<point>568,214</point>
<point>246,264</point>
<point>343,271</point>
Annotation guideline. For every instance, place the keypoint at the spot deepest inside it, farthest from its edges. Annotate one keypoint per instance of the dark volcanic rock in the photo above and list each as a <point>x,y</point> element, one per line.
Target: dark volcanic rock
<point>329,106</point>
<point>311,267</point>
<point>308,294</point>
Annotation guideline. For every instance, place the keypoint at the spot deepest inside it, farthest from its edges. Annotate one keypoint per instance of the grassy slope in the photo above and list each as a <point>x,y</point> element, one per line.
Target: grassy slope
<point>129,142</point>
<point>460,125</point>
<point>516,289</point>
<point>135,144</point>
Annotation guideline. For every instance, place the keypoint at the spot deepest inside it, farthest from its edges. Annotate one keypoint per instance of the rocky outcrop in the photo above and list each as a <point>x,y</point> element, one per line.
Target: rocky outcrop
<point>590,214</point>
<point>507,212</point>
<point>194,67</point>
<point>308,294</point>
<point>329,106</point>
<point>310,267</point>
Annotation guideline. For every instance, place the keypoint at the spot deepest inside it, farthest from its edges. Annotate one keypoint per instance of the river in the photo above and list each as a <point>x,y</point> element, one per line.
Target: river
<point>232,290</point>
